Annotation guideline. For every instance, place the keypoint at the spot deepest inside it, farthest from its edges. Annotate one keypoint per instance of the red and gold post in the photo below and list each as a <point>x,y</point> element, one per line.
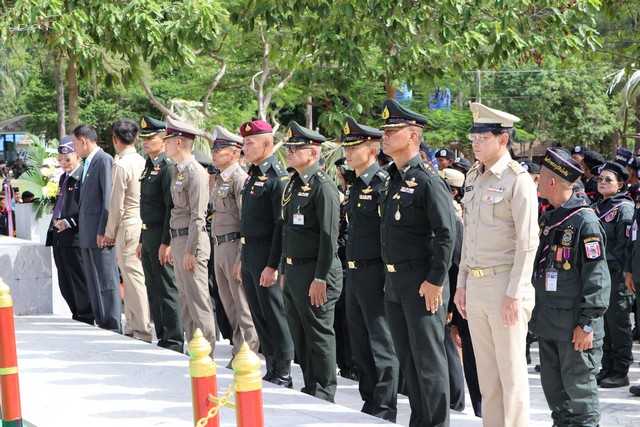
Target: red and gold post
<point>247,382</point>
<point>9,386</point>
<point>202,370</point>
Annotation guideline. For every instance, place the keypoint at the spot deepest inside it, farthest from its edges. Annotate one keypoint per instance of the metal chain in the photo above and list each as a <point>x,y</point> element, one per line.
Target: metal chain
<point>218,402</point>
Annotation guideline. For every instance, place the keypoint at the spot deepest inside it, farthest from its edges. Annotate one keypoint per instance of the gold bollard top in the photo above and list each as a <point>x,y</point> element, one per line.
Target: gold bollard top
<point>200,364</point>
<point>246,365</point>
<point>5,297</point>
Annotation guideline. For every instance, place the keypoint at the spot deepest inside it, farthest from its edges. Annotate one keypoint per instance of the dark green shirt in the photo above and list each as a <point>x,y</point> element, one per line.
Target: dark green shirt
<point>363,217</point>
<point>418,219</point>
<point>261,204</point>
<point>155,193</point>
<point>573,243</point>
<point>310,214</point>
<point>616,215</point>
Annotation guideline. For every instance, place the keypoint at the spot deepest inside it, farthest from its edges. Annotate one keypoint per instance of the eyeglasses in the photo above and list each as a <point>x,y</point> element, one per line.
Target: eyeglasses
<point>478,137</point>
<point>606,179</point>
<point>293,148</point>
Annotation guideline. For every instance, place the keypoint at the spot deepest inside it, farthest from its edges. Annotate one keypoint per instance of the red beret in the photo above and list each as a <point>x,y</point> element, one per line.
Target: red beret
<point>255,127</point>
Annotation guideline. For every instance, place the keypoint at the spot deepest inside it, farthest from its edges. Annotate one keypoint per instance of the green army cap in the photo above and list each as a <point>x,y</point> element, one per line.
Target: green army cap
<point>150,127</point>
<point>396,116</point>
<point>355,133</point>
<point>298,135</point>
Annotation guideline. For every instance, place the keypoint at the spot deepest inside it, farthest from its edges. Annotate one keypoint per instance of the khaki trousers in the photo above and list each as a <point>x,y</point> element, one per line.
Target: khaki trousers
<point>136,303</point>
<point>233,297</point>
<point>500,351</point>
<point>193,289</point>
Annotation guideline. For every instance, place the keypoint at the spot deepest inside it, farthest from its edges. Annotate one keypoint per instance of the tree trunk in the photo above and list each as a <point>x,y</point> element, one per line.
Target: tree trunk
<point>636,141</point>
<point>62,131</point>
<point>308,113</point>
<point>72,84</point>
<point>390,90</point>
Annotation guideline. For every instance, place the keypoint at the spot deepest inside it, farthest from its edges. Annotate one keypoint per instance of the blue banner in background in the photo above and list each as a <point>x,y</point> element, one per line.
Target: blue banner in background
<point>404,95</point>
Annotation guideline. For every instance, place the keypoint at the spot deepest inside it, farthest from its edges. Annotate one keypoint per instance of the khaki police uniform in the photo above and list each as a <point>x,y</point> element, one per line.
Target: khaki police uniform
<point>124,224</point>
<point>225,230</point>
<point>190,194</point>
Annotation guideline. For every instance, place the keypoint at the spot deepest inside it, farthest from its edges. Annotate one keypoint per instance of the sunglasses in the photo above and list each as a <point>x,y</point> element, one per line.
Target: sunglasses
<point>294,148</point>
<point>606,179</point>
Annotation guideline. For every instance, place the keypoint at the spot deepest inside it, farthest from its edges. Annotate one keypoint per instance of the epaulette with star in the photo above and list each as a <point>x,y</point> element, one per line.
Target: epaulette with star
<point>428,167</point>
<point>516,167</point>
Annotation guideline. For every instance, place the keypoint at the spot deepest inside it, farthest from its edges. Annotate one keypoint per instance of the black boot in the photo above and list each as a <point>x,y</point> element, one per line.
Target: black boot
<point>271,369</point>
<point>283,374</point>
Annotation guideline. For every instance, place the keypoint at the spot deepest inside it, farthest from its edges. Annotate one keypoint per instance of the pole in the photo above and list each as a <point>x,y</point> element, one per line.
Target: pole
<point>202,370</point>
<point>9,385</point>
<point>247,381</point>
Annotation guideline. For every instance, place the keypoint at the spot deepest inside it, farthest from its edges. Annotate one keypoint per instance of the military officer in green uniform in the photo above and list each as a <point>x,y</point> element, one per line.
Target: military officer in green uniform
<point>418,234</point>
<point>261,239</point>
<point>155,211</point>
<point>368,328</point>
<point>572,285</point>
<point>615,211</point>
<point>312,270</point>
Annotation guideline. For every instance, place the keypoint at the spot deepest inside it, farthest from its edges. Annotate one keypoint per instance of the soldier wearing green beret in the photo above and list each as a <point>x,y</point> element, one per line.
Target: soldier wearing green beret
<point>369,332</point>
<point>312,270</point>
<point>418,234</point>
<point>155,211</point>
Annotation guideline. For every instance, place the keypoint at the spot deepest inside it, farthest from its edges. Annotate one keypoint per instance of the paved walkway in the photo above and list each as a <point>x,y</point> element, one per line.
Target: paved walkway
<point>74,374</point>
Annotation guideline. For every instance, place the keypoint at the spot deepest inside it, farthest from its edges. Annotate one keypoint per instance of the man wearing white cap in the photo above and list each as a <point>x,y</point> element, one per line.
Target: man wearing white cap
<point>225,231</point>
<point>494,283</point>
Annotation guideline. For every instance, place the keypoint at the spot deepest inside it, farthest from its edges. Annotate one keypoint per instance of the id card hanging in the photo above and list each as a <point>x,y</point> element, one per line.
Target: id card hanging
<point>298,218</point>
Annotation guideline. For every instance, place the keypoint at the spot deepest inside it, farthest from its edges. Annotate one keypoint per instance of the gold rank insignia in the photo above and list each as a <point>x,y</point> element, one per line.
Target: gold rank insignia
<point>367,190</point>
<point>247,128</point>
<point>411,183</point>
<point>346,129</point>
<point>305,188</point>
<point>180,177</point>
<point>289,133</point>
<point>143,123</point>
<point>406,168</point>
<point>156,168</point>
<point>476,114</point>
<point>385,113</point>
<point>263,178</point>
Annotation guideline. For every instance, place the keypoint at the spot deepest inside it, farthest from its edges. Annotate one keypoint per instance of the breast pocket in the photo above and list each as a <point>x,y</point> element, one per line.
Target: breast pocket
<point>403,210</point>
<point>491,208</point>
<point>301,211</point>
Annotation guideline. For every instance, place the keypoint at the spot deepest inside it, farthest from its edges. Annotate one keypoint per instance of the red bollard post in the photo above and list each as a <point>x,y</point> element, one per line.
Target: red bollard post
<point>9,386</point>
<point>247,382</point>
<point>202,370</point>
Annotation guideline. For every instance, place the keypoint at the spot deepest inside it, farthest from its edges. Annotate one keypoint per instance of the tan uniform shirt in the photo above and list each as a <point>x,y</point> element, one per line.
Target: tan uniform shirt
<point>501,222</point>
<point>190,193</point>
<point>227,201</point>
<point>124,205</point>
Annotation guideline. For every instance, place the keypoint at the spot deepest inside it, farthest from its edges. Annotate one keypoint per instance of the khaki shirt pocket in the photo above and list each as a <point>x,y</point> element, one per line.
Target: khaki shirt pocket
<point>492,207</point>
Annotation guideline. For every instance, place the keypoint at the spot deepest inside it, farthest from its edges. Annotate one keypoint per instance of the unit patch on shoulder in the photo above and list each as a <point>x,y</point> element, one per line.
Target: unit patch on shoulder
<point>593,250</point>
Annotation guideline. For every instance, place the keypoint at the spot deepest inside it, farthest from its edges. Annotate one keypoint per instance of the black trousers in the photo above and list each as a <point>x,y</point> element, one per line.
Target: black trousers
<point>162,293</point>
<point>371,341</point>
<point>73,285</point>
<point>471,372</point>
<point>266,304</point>
<point>618,339</point>
<point>101,273</point>
<point>418,337</point>
<point>456,377</point>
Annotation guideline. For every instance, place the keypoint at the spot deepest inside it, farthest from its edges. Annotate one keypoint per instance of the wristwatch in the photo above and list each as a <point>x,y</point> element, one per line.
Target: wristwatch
<point>587,329</point>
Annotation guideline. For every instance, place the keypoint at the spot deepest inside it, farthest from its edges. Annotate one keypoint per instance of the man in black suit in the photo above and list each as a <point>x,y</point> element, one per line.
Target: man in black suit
<point>63,235</point>
<point>98,259</point>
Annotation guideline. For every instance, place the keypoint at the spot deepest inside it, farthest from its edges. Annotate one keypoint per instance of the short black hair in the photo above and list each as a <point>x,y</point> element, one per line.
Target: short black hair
<point>85,131</point>
<point>509,131</point>
<point>126,130</point>
<point>27,194</point>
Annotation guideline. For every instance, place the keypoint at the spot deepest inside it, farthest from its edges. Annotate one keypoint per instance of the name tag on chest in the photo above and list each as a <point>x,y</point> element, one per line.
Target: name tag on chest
<point>298,219</point>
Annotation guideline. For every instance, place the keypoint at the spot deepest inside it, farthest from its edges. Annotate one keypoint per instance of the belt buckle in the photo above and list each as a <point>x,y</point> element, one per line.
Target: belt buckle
<point>144,226</point>
<point>477,272</point>
<point>289,261</point>
<point>215,240</point>
<point>352,265</point>
<point>391,268</point>
<point>242,241</point>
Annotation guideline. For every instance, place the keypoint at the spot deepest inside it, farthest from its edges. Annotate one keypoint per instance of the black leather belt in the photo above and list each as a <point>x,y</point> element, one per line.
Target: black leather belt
<point>229,237</point>
<point>363,263</point>
<point>255,240</point>
<point>299,261</point>
<point>175,232</point>
<point>152,225</point>
<point>403,266</point>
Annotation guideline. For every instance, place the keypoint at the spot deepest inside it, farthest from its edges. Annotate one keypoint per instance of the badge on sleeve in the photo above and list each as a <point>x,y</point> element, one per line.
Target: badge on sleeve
<point>592,247</point>
<point>611,215</point>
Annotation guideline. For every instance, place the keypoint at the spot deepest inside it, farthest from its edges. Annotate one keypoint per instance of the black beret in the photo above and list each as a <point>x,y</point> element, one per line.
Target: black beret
<point>462,163</point>
<point>634,163</point>
<point>593,158</point>
<point>562,164</point>
<point>528,165</point>
<point>355,133</point>
<point>397,116</point>
<point>578,149</point>
<point>623,155</point>
<point>616,168</point>
<point>340,162</point>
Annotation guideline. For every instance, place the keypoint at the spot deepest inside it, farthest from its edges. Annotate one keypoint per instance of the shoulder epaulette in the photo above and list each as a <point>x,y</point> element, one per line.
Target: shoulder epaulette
<point>191,167</point>
<point>516,167</point>
<point>322,177</point>
<point>427,167</point>
<point>382,174</point>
